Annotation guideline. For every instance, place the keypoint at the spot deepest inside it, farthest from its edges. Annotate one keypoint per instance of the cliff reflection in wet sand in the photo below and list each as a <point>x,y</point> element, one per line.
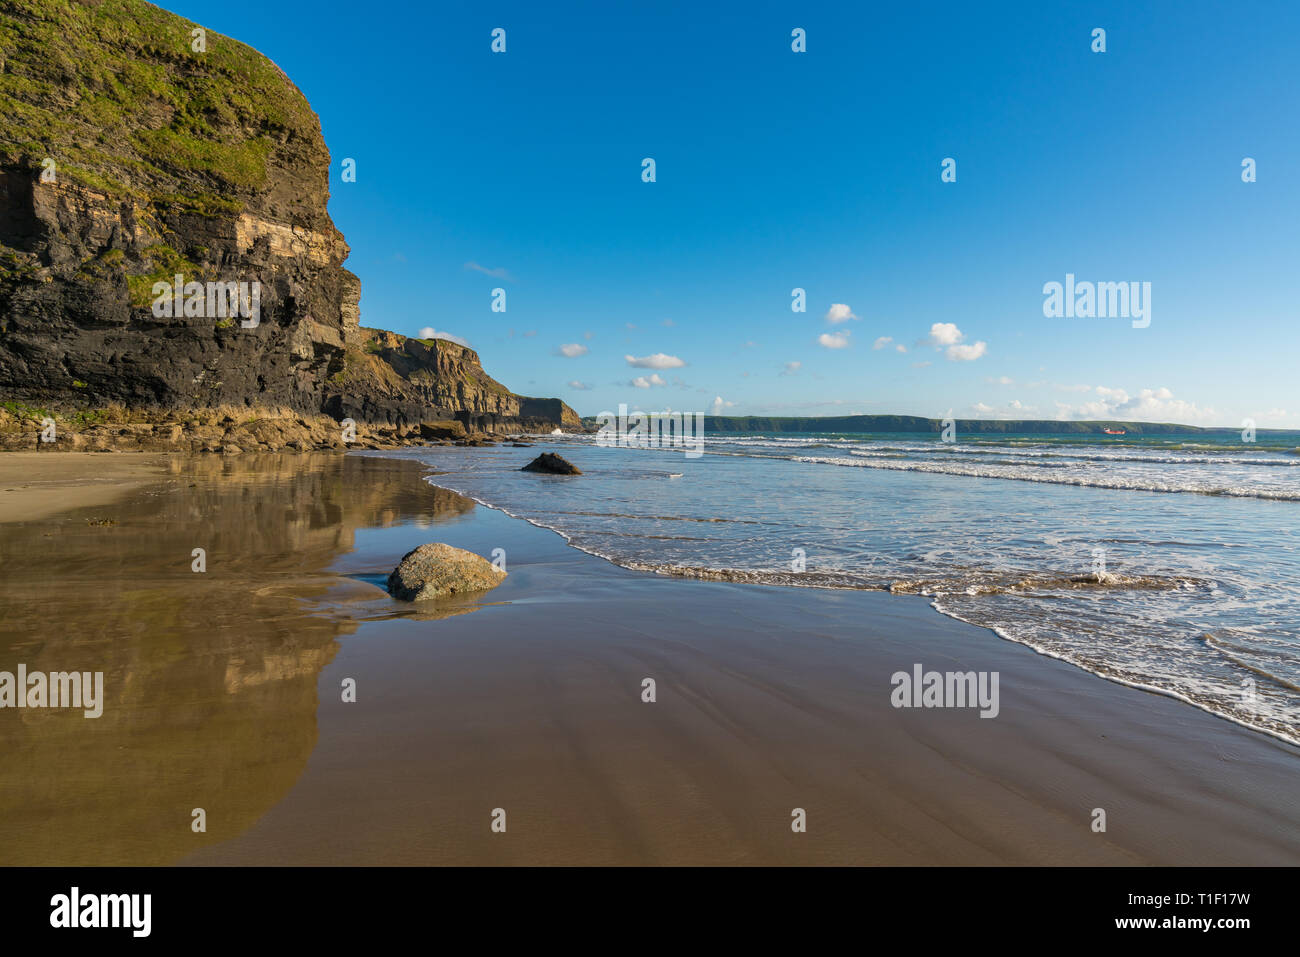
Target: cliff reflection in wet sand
<point>209,678</point>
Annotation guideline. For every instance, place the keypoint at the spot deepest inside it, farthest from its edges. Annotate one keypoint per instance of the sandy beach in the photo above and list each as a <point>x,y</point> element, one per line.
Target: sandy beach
<point>37,485</point>
<point>223,693</point>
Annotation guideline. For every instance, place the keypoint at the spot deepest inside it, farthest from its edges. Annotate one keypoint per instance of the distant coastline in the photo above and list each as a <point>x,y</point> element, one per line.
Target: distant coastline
<point>916,423</point>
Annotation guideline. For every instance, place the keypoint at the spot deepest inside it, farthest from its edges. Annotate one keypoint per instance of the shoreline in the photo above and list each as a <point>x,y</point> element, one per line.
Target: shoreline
<point>933,601</point>
<point>769,699</point>
<point>1165,728</point>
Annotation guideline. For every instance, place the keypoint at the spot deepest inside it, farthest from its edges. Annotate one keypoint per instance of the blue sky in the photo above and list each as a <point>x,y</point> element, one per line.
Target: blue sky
<point>820,170</point>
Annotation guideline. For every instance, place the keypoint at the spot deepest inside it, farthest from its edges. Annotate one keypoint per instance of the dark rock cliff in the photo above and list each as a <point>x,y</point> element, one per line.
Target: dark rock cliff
<point>395,379</point>
<point>128,158</point>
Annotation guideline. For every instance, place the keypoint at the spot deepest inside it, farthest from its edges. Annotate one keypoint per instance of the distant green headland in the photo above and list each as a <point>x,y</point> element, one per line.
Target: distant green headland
<point>916,423</point>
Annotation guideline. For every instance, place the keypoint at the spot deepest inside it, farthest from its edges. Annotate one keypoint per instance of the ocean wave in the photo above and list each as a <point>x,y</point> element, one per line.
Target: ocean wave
<point>1217,705</point>
<point>1120,457</point>
<point>1150,451</point>
<point>1245,657</point>
<point>758,576</point>
<point>1134,483</point>
<point>970,584</point>
<point>642,516</point>
<point>1036,583</point>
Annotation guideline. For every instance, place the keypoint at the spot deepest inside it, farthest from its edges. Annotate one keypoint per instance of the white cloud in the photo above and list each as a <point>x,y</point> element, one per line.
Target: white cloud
<point>1277,418</point>
<point>834,340</point>
<point>657,361</point>
<point>838,313</point>
<point>1015,409</point>
<point>966,353</point>
<point>719,404</point>
<point>1149,405</point>
<point>580,386</point>
<point>571,350</point>
<point>883,341</point>
<point>428,332</point>
<point>641,382</point>
<point>791,368</point>
<point>944,334</point>
<point>498,273</point>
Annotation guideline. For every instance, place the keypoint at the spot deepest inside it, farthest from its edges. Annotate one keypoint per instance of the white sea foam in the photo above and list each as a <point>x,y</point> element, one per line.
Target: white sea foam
<point>1101,479</point>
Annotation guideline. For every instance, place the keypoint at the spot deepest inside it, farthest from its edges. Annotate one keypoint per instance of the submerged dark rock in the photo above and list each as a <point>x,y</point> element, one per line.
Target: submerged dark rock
<point>552,464</point>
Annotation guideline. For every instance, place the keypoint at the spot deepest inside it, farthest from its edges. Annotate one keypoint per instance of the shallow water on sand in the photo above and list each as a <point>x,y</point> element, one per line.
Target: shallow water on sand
<point>223,692</point>
<point>210,678</point>
<point>1168,563</point>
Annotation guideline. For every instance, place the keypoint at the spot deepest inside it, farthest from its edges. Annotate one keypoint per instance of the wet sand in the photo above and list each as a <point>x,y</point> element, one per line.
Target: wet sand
<point>210,677</point>
<point>36,485</point>
<point>227,696</point>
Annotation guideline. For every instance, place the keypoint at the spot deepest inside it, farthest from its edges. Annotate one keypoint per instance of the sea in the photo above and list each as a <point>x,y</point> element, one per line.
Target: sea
<point>1165,562</point>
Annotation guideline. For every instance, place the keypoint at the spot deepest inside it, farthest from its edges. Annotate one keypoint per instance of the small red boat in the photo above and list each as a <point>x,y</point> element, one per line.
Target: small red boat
<point>1114,431</point>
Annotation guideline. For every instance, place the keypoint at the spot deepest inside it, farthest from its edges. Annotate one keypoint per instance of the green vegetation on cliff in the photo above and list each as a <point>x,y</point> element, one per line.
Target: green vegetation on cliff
<point>113,92</point>
<point>166,263</point>
<point>178,151</point>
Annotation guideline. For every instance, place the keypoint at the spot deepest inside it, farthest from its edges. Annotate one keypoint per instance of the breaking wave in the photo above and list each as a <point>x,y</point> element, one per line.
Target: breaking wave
<point>1134,483</point>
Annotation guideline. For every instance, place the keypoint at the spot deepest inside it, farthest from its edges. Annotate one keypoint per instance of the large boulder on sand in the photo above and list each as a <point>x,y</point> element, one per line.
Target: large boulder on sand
<point>443,429</point>
<point>439,571</point>
<point>552,463</point>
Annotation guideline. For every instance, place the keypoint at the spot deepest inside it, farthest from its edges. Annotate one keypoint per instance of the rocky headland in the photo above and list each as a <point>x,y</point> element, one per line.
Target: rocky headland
<point>138,154</point>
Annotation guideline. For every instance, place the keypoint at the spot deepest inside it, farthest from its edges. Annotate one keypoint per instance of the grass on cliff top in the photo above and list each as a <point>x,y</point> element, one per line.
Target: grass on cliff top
<point>112,91</point>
